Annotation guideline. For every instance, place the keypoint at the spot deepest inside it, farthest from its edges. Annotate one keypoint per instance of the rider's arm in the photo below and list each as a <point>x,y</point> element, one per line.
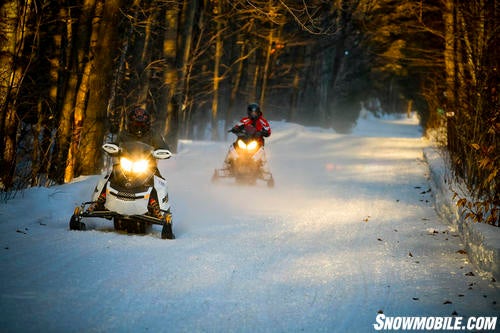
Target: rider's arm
<point>265,132</point>
<point>266,128</point>
<point>238,127</point>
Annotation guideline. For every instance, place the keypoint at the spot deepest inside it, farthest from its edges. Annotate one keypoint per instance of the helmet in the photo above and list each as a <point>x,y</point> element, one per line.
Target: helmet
<point>139,122</point>
<point>253,111</point>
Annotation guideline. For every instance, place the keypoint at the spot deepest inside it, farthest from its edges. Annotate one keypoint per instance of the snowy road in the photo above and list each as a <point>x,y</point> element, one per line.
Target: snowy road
<point>348,232</point>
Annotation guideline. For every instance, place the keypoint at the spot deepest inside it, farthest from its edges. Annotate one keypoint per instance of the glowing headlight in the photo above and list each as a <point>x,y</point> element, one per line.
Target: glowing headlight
<point>139,166</point>
<point>250,146</point>
<point>241,144</point>
<point>126,164</point>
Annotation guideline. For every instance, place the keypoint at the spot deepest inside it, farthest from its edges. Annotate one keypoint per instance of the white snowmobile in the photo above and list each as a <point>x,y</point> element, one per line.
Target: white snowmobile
<point>245,160</point>
<point>128,188</point>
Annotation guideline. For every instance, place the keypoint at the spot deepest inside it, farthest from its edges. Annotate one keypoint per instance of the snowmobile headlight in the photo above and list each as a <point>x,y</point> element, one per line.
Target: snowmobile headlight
<point>252,145</point>
<point>241,144</point>
<point>126,164</point>
<point>139,166</point>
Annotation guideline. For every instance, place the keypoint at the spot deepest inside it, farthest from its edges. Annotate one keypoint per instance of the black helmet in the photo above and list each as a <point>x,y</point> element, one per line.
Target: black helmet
<point>253,111</point>
<point>139,122</point>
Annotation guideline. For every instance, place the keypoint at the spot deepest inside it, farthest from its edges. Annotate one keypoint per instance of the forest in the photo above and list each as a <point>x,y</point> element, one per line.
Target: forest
<point>71,70</point>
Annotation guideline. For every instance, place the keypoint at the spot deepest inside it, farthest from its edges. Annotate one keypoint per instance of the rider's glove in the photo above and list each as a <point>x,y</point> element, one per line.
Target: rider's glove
<point>264,132</point>
<point>236,129</point>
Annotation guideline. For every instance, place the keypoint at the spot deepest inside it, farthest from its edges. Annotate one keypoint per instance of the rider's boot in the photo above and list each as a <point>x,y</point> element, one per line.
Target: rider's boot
<point>167,228</point>
<point>154,208</point>
<point>99,204</point>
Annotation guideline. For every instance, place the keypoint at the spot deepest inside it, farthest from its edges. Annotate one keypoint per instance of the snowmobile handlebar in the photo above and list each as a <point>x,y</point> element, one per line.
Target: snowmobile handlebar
<point>114,150</point>
<point>246,132</point>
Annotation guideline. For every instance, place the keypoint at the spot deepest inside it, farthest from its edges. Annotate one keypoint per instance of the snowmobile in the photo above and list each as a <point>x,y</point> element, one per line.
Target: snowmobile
<point>128,187</point>
<point>245,160</point>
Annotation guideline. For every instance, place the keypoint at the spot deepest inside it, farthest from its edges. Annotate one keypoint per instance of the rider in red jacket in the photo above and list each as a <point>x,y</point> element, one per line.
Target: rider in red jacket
<point>259,126</point>
<point>254,118</point>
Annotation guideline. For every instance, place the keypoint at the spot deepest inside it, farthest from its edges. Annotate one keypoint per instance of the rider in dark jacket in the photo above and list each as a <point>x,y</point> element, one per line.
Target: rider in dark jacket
<point>138,128</point>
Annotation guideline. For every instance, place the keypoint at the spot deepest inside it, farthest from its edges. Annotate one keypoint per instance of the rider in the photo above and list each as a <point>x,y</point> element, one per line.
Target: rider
<point>262,128</point>
<point>254,118</point>
<point>138,128</point>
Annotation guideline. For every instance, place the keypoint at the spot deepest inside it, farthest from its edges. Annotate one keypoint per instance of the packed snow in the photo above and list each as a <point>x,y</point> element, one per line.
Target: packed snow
<point>349,231</point>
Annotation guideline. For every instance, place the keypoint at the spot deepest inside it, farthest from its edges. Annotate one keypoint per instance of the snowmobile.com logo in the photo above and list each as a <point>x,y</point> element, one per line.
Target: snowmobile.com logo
<point>386,323</point>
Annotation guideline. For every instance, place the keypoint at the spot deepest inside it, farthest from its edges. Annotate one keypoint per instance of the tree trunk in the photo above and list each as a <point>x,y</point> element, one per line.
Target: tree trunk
<point>253,70</point>
<point>294,96</point>
<point>170,77</point>
<point>216,77</point>
<point>13,29</point>
<point>236,84</point>
<point>88,32</point>
<point>68,86</point>
<point>188,13</point>
<point>449,52</point>
<point>145,59</point>
<point>89,157</point>
<point>324,86</point>
<point>265,73</point>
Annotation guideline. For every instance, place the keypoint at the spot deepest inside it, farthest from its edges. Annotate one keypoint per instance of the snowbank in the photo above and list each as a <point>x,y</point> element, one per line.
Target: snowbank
<point>482,241</point>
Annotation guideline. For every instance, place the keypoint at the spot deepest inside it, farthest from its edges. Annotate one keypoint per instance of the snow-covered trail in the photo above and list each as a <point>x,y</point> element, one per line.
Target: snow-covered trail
<point>348,231</point>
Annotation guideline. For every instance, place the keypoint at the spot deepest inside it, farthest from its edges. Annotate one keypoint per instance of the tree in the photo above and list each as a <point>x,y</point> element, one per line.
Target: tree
<point>471,58</point>
<point>14,27</point>
<point>171,75</point>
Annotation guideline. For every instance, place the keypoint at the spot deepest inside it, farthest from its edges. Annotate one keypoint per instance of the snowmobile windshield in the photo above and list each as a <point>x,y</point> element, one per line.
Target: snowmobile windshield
<point>136,149</point>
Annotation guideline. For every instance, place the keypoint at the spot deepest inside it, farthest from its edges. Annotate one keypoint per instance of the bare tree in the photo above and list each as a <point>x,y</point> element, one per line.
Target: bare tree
<point>15,31</point>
